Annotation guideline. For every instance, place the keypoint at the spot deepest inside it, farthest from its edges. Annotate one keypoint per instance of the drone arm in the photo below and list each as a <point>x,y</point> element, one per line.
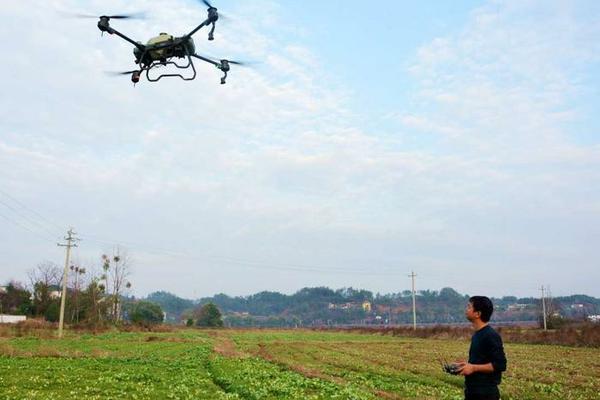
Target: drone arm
<point>136,44</point>
<point>223,65</point>
<point>202,25</point>
<point>105,27</point>
<point>208,60</point>
<point>213,16</point>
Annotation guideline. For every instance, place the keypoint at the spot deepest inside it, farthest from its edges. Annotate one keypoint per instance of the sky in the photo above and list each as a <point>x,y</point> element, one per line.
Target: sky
<point>459,140</point>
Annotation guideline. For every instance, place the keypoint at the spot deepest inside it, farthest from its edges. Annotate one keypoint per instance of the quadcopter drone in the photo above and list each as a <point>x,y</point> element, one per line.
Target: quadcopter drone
<point>160,51</point>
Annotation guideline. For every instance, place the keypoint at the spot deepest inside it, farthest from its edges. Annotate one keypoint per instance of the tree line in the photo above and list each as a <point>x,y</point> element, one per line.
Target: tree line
<point>326,306</point>
<point>95,297</point>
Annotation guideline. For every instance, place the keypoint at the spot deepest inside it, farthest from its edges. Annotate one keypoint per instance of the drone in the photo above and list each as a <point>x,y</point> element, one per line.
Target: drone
<point>161,50</point>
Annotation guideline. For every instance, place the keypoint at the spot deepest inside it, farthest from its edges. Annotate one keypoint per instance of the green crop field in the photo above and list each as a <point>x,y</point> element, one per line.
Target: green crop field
<point>271,364</point>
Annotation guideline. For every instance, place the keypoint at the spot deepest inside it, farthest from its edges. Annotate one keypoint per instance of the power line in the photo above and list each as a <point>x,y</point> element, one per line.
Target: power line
<point>43,226</point>
<point>250,263</point>
<point>31,210</point>
<point>173,253</point>
<point>38,234</point>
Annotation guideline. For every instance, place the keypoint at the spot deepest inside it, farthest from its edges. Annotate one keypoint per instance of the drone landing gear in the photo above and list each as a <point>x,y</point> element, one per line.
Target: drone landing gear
<point>162,63</point>
<point>225,68</point>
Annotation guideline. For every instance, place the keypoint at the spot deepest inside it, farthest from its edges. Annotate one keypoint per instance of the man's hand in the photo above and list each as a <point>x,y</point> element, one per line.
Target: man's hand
<point>468,369</point>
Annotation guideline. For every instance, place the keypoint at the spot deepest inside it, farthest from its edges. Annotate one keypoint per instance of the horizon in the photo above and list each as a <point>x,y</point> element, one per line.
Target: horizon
<point>417,293</point>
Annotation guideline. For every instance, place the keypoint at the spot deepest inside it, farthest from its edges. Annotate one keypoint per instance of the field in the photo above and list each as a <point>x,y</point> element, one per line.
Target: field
<point>274,364</point>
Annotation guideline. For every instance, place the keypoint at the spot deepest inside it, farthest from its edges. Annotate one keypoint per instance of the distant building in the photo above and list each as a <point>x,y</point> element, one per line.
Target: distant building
<point>365,305</point>
<point>577,306</point>
<point>11,319</point>
<point>54,291</point>
<point>594,318</point>
<point>2,289</point>
<point>343,306</point>
<point>516,307</point>
<point>239,314</point>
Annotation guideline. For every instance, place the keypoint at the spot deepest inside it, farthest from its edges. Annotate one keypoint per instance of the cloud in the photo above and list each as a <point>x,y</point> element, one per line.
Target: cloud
<point>273,167</point>
<point>501,99</point>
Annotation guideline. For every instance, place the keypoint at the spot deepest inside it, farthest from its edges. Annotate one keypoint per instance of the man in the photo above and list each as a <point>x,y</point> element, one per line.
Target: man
<point>483,372</point>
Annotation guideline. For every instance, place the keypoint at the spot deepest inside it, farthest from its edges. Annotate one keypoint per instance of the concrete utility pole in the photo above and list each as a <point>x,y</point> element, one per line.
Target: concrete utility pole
<point>543,306</point>
<point>63,297</point>
<point>412,275</point>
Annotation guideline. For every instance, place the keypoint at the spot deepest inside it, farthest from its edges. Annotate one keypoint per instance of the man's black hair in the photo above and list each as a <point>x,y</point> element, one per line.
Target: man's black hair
<point>483,305</point>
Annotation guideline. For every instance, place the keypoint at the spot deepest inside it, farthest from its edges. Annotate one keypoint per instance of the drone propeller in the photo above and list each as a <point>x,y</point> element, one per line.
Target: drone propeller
<point>140,15</point>
<point>208,4</point>
<point>117,73</point>
<point>222,61</point>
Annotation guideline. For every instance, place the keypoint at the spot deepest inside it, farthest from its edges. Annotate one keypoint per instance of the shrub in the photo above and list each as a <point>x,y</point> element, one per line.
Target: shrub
<point>146,313</point>
<point>209,316</point>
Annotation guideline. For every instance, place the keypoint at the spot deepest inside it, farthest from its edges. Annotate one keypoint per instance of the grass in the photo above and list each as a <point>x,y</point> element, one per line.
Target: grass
<point>274,364</point>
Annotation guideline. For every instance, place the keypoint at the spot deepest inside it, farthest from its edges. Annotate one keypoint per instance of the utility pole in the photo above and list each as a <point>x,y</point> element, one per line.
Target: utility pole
<point>543,307</point>
<point>412,275</point>
<point>69,238</point>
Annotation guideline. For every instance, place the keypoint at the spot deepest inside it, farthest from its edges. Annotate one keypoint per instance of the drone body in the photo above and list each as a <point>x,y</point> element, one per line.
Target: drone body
<point>163,49</point>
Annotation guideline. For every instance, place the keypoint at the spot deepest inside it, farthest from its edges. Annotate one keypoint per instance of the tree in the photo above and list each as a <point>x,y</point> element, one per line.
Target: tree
<point>44,278</point>
<point>116,271</point>
<point>209,316</point>
<point>553,317</point>
<point>52,313</point>
<point>47,273</point>
<point>15,299</point>
<point>146,313</point>
<point>93,305</point>
<point>76,311</point>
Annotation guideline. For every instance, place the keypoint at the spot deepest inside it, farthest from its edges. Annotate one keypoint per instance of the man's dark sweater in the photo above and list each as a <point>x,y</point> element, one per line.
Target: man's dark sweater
<point>486,347</point>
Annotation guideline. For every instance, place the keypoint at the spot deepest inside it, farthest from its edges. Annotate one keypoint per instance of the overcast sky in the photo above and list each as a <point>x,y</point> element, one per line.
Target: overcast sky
<point>460,141</point>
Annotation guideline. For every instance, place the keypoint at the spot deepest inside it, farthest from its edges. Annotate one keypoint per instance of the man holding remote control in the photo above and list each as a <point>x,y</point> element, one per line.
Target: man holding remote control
<point>483,372</point>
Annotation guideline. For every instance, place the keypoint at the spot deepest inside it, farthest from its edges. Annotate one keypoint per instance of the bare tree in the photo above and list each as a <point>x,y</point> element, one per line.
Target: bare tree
<point>42,278</point>
<point>78,271</point>
<point>553,310</point>
<point>553,318</point>
<point>116,273</point>
<point>47,273</point>
<point>92,300</point>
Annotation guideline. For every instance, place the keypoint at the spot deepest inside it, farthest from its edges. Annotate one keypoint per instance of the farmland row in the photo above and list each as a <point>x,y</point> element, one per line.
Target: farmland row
<point>233,364</point>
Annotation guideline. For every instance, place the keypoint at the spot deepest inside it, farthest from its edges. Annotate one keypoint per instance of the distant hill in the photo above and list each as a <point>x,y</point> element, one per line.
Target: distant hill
<point>171,304</point>
<point>348,306</point>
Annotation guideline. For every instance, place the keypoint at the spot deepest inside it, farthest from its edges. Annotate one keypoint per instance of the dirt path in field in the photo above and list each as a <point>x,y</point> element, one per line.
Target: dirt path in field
<point>225,346</point>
